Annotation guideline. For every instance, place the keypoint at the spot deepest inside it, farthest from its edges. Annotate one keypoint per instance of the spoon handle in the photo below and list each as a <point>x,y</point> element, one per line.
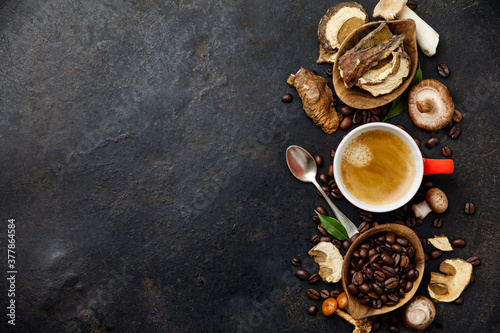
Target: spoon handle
<point>348,225</point>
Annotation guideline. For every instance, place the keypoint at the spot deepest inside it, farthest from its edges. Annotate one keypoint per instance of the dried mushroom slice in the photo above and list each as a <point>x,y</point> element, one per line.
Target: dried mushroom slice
<point>377,36</point>
<point>441,243</point>
<point>430,105</point>
<point>353,65</point>
<point>317,99</point>
<point>330,261</point>
<point>377,74</point>
<point>394,80</point>
<point>326,56</point>
<point>338,22</point>
<point>447,287</point>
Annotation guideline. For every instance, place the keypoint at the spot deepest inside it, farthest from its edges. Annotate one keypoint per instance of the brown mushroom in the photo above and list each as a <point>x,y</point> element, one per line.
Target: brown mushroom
<point>435,201</point>
<point>430,105</point>
<point>419,313</point>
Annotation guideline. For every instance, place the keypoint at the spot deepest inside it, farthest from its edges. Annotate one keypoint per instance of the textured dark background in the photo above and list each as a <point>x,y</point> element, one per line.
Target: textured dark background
<point>142,157</point>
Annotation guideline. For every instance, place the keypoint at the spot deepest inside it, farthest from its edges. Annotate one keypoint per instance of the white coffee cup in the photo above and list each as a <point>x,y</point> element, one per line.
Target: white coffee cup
<point>423,167</point>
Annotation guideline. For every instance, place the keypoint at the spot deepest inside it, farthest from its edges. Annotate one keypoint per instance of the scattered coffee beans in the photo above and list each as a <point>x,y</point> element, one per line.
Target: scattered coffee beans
<point>322,230</point>
<point>346,110</point>
<point>443,70</point>
<point>314,278</point>
<point>324,294</point>
<point>459,301</point>
<point>296,262</point>
<point>357,118</point>
<point>393,329</point>
<point>319,161</point>
<point>459,242</point>
<point>411,4</point>
<point>315,239</point>
<point>287,98</point>
<point>302,274</point>
<point>363,227</point>
<point>323,178</point>
<point>417,141</point>
<point>436,254</point>
<point>335,293</point>
<point>321,210</point>
<point>446,151</point>
<point>313,294</point>
<point>474,260</point>
<point>346,123</point>
<point>438,222</point>
<point>457,116</point>
<point>315,219</point>
<point>366,217</point>
<point>455,132</point>
<point>312,310</point>
<point>432,141</point>
<point>469,208</point>
<point>325,239</point>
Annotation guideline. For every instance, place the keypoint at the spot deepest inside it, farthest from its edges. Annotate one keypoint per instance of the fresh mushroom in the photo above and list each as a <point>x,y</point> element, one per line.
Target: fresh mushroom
<point>427,38</point>
<point>419,313</point>
<point>435,201</point>
<point>430,105</point>
<point>360,326</point>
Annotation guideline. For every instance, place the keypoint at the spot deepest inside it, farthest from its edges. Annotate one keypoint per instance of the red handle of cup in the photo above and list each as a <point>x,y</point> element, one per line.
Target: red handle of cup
<point>438,167</point>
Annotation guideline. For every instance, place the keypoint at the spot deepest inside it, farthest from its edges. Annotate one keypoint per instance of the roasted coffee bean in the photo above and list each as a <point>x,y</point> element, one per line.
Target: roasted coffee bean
<point>322,230</point>
<point>432,141</point>
<point>393,329</point>
<point>438,222</point>
<point>397,259</point>
<point>314,278</point>
<point>394,297</point>
<point>319,161</point>
<point>457,116</point>
<point>459,301</point>
<point>337,243</point>
<point>410,221</point>
<point>411,4</point>
<point>325,239</point>
<point>404,262</point>
<point>379,276</point>
<point>346,123</point>
<point>334,293</point>
<point>357,118</point>
<point>372,295</point>
<point>369,273</point>
<point>443,70</point>
<point>402,127</point>
<point>354,237</point>
<point>357,279</point>
<point>363,253</point>
<point>315,239</point>
<point>336,193</point>
<point>364,288</point>
<point>352,289</point>
<point>408,286</point>
<point>390,237</point>
<point>330,171</point>
<point>332,153</point>
<point>410,252</point>
<point>402,241</point>
<point>375,118</point>
<point>287,98</point>
<point>346,110</point>
<point>346,244</point>
<point>367,216</point>
<point>424,242</point>
<point>474,260</point>
<point>426,256</point>
<point>377,289</point>
<point>321,210</point>
<point>329,71</point>
<point>455,132</point>
<point>436,254</point>
<point>341,117</point>
<point>324,294</point>
<point>315,219</point>
<point>458,242</point>
<point>376,304</point>
<point>446,151</point>
<point>313,294</point>
<point>323,178</point>
<point>374,258</point>
<point>388,271</point>
<point>302,274</point>
<point>312,310</point>
<point>396,248</point>
<point>398,214</point>
<point>365,114</point>
<point>469,208</point>
<point>387,259</point>
<point>296,262</point>
<point>356,254</point>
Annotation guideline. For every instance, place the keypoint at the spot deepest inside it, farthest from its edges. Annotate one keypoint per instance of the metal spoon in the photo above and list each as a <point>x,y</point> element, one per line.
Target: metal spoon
<point>303,167</point>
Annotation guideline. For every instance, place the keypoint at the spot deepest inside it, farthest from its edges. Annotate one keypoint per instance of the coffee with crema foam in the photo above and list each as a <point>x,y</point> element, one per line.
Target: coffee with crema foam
<point>378,167</point>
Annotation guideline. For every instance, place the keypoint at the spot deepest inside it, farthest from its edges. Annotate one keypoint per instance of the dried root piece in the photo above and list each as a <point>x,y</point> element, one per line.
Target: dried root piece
<point>326,56</point>
<point>317,99</point>
<point>338,22</point>
<point>353,65</point>
<point>360,326</point>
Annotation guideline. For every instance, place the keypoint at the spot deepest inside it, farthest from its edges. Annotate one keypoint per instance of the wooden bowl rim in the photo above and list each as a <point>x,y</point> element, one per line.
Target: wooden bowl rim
<point>362,311</point>
<point>362,99</point>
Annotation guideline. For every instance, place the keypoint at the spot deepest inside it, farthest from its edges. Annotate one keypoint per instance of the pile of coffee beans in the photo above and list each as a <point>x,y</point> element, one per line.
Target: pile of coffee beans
<point>382,270</point>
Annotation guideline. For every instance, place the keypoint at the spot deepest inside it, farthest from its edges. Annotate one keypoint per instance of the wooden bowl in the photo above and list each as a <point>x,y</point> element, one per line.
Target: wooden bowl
<point>358,98</point>
<point>355,307</point>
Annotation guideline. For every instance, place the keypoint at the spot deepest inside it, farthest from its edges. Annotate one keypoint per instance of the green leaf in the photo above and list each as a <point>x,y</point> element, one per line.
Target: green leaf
<point>400,104</point>
<point>334,227</point>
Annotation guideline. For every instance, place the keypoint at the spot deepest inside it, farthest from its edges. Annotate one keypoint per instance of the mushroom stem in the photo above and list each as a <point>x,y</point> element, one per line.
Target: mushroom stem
<point>427,38</point>
<point>427,105</point>
<point>422,209</point>
<point>360,326</point>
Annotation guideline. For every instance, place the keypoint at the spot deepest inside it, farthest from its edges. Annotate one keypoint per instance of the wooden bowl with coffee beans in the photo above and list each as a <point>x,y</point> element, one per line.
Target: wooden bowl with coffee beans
<point>382,270</point>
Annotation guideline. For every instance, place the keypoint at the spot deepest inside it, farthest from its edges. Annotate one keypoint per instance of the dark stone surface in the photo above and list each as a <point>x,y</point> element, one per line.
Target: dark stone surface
<point>142,158</point>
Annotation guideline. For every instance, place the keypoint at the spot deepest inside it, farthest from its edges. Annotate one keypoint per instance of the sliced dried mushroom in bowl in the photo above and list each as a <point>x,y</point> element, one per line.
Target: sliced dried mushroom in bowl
<point>386,45</point>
